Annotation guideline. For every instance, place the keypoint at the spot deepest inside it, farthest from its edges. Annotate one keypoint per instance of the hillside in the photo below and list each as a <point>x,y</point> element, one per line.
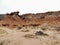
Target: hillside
<point>14,19</point>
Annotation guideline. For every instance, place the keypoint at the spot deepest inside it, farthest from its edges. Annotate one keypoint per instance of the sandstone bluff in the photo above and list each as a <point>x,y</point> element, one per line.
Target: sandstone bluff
<point>13,19</point>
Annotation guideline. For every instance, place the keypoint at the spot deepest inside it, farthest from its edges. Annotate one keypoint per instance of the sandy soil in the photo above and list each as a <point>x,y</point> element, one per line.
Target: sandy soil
<point>16,36</point>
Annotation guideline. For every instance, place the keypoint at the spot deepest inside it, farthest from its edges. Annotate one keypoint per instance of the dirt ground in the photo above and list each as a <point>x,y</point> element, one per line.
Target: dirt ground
<point>26,36</point>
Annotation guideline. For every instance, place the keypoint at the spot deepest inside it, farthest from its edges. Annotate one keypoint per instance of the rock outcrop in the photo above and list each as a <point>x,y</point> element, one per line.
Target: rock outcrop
<point>14,19</point>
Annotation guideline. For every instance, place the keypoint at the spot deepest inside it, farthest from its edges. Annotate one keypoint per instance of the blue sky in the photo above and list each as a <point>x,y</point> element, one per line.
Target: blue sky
<point>29,6</point>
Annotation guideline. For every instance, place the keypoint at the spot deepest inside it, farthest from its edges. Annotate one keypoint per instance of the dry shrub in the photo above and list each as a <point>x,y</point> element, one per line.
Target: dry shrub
<point>4,42</point>
<point>19,27</point>
<point>57,28</point>
<point>40,33</point>
<point>2,31</point>
<point>24,30</point>
<point>43,28</point>
<point>30,36</point>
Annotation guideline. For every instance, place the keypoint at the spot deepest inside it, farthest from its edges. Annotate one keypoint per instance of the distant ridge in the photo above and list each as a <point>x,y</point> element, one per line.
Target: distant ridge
<point>1,16</point>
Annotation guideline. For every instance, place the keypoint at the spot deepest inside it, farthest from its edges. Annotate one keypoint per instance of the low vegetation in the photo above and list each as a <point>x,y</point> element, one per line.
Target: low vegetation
<point>24,30</point>
<point>57,28</point>
<point>55,43</point>
<point>19,27</point>
<point>4,42</point>
<point>30,36</point>
<point>43,28</point>
<point>40,33</point>
<point>2,31</point>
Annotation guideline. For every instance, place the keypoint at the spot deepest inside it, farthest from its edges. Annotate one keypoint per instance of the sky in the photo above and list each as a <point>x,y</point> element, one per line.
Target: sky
<point>29,6</point>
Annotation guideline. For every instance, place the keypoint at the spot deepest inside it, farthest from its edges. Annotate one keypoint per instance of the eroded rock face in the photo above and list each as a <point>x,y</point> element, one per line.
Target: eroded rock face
<point>51,18</point>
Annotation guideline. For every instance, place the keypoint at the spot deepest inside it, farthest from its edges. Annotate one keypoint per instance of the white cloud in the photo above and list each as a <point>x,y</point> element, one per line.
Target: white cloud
<point>27,6</point>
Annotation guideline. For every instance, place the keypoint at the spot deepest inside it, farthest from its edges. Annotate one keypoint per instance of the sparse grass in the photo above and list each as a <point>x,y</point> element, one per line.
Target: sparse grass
<point>19,27</point>
<point>2,31</point>
<point>4,42</point>
<point>58,28</point>
<point>24,30</point>
<point>43,28</point>
<point>55,43</point>
<point>30,36</point>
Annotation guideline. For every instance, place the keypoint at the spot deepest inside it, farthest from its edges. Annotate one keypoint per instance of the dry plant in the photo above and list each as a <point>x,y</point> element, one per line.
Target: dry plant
<point>30,36</point>
<point>40,33</point>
